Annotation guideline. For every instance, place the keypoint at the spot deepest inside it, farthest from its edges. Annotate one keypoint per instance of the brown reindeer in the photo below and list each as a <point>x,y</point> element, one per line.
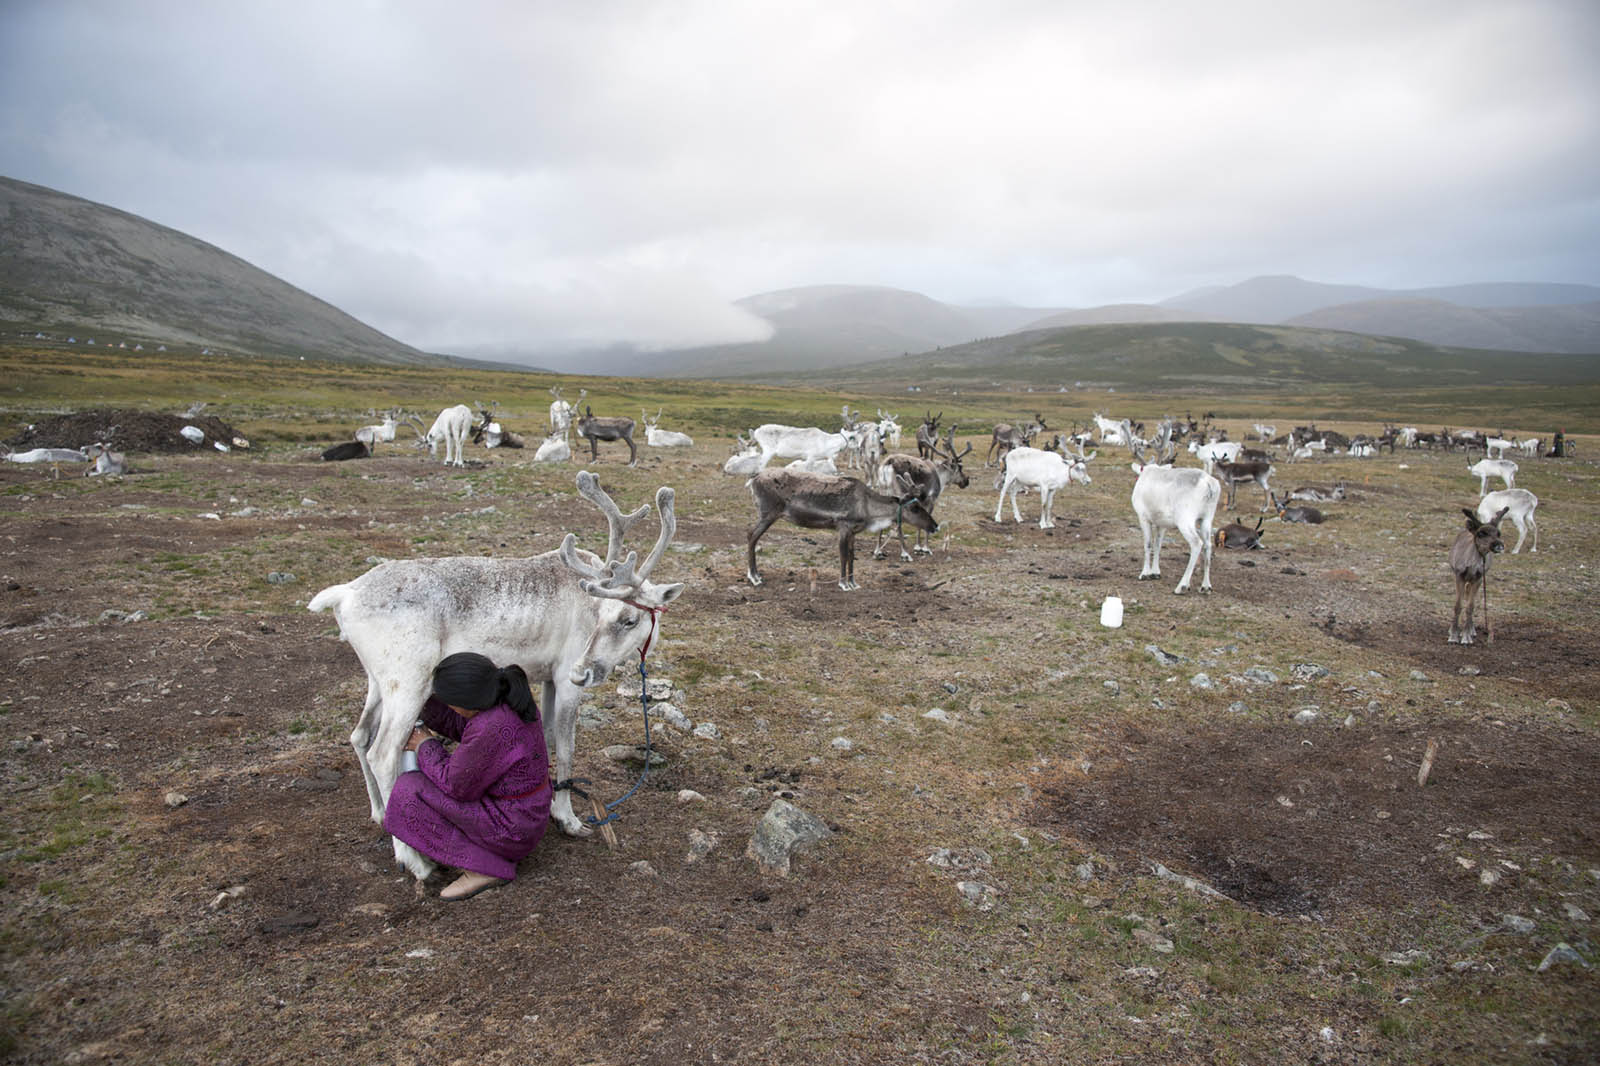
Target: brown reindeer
<point>928,435</point>
<point>817,501</point>
<point>1469,558</point>
<point>595,429</point>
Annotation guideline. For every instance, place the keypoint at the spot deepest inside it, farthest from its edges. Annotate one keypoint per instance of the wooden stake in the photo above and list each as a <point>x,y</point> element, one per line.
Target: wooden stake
<point>607,834</point>
<point>1427,763</point>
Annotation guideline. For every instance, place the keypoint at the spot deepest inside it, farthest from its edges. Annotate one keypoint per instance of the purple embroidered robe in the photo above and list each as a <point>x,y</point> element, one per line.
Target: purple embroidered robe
<point>482,807</point>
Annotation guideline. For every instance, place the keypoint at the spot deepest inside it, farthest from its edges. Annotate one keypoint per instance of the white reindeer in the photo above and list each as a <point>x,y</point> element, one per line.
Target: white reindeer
<point>561,412</point>
<point>1264,430</point>
<point>1496,447</point>
<point>1185,500</point>
<point>793,442</point>
<point>106,461</point>
<point>382,431</point>
<point>1484,469</point>
<point>747,460</point>
<point>1222,451</point>
<point>451,428</point>
<point>554,449</point>
<point>1046,471</point>
<point>1519,505</point>
<point>1528,446</point>
<point>566,617</point>
<point>888,429</point>
<point>663,438</point>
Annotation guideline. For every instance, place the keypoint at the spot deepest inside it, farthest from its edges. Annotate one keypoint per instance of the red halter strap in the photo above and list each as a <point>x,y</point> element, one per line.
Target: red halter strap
<point>654,613</point>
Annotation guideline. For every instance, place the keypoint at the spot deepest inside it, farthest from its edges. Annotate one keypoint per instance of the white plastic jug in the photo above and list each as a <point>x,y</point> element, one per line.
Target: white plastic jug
<point>1111,612</point>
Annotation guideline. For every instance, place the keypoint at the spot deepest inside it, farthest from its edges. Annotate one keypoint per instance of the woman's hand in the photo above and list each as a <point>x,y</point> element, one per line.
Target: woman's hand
<point>418,735</point>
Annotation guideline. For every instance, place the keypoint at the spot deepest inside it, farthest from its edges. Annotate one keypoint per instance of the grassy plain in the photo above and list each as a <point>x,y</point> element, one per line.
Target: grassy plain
<point>1366,918</point>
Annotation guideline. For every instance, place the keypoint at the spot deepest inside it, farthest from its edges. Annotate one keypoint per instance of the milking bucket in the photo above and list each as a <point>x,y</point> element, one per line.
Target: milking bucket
<point>1111,612</point>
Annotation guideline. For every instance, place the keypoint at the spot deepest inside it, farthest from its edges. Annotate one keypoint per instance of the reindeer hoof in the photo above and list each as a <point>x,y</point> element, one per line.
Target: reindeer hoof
<point>755,579</point>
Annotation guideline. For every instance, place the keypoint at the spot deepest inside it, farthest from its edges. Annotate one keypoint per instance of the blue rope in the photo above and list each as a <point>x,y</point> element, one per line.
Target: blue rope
<point>644,703</point>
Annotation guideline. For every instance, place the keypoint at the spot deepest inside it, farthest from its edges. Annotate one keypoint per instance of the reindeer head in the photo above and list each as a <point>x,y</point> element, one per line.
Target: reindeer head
<point>950,459</point>
<point>629,600</point>
<point>1486,535</point>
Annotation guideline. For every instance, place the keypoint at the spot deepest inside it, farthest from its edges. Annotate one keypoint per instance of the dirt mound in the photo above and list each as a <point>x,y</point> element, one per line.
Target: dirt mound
<point>125,429</point>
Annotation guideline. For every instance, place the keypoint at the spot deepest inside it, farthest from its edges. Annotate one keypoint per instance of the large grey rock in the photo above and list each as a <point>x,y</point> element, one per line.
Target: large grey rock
<point>1165,658</point>
<point>1561,953</point>
<point>782,831</point>
<point>1260,675</point>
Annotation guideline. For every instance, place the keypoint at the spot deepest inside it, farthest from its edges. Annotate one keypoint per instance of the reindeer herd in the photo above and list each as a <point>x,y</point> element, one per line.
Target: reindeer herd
<point>569,617</point>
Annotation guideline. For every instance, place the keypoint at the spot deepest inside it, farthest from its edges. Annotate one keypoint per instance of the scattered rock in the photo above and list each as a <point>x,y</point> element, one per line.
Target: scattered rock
<point>280,577</point>
<point>420,953</point>
<point>950,687</point>
<point>708,731</point>
<point>1470,671</point>
<point>1489,878</point>
<point>1238,707</point>
<point>1165,658</point>
<point>1111,687</point>
<point>1418,675</point>
<point>592,717</point>
<point>1084,870</point>
<point>225,897</point>
<point>371,910</point>
<point>1575,913</point>
<point>784,829</point>
<point>1405,958</point>
<point>841,743</point>
<point>642,869</point>
<point>1153,940</point>
<point>1518,924</point>
<point>670,714</point>
<point>1306,715</point>
<point>1561,953</point>
<point>689,795</point>
<point>176,799</point>
<point>700,845</point>
<point>1192,884</point>
<point>633,753</point>
<point>1260,675</point>
<point>937,714</point>
<point>1201,681</point>
<point>1141,972</point>
<point>1308,672</point>
<point>978,894</point>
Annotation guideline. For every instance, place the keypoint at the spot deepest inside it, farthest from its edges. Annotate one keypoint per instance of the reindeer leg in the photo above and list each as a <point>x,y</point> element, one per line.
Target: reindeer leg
<point>847,559</point>
<point>361,740</point>
<point>633,452</point>
<point>398,716</point>
<point>763,524</point>
<point>560,710</point>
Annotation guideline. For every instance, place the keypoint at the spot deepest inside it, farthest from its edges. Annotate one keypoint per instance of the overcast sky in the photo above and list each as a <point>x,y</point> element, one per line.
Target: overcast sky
<point>535,175</point>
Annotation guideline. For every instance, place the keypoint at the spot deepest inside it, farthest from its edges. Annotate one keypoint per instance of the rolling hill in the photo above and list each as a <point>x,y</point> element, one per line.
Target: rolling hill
<point>71,266</point>
<point>1193,354</point>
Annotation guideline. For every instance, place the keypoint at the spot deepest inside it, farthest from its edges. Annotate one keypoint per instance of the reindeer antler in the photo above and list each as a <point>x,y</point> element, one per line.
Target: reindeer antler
<point>619,579</point>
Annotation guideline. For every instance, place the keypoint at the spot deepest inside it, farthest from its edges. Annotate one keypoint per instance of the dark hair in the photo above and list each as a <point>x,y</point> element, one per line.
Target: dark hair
<point>467,679</point>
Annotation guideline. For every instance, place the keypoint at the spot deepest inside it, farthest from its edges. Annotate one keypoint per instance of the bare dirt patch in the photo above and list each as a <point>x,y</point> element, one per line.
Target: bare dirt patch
<point>125,429</point>
<point>1293,820</point>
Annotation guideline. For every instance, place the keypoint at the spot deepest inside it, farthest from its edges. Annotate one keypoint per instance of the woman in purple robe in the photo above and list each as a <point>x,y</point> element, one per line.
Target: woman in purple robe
<point>483,806</point>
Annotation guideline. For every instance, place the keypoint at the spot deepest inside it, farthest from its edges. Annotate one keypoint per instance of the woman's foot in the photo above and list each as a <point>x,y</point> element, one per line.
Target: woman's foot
<point>468,885</point>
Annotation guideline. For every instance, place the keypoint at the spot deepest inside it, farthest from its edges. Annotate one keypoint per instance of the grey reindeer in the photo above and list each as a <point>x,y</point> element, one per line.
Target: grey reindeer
<point>1469,558</point>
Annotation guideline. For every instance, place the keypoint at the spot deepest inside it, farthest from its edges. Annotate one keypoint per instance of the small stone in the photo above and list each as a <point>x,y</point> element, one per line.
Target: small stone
<point>841,743</point>
<point>950,687</point>
<point>1558,704</point>
<point>307,501</point>
<point>937,714</point>
<point>1260,675</point>
<point>783,829</point>
<point>370,910</point>
<point>641,869</point>
<point>1479,834</point>
<point>1404,958</point>
<point>1326,1034</point>
<point>633,753</point>
<point>1141,972</point>
<point>1165,658</point>
<point>1561,953</point>
<point>708,731</point>
<point>1308,672</point>
<point>1575,913</point>
<point>1237,707</point>
<point>1518,924</point>
<point>943,858</point>
<point>978,894</point>
<point>1470,671</point>
<point>280,577</point>
<point>1153,940</point>
<point>700,845</point>
<point>420,953</point>
<point>1084,870</point>
<point>176,799</point>
<point>1488,878</point>
<point>1111,686</point>
<point>689,795</point>
<point>1306,715</point>
<point>1418,675</point>
<point>672,716</point>
<point>1201,681</point>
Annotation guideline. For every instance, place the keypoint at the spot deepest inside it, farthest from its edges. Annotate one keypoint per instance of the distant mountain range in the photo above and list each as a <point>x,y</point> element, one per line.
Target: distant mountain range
<point>68,265</point>
<point>71,266</point>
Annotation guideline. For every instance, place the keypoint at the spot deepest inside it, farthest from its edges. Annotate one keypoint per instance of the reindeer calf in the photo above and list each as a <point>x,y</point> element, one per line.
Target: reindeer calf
<point>1469,558</point>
